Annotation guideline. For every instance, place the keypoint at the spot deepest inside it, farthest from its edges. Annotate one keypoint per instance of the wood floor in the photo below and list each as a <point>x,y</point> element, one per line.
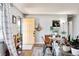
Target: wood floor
<point>29,52</point>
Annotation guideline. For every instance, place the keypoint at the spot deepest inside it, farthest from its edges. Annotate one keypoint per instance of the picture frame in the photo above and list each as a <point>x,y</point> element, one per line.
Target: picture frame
<point>56,23</point>
<point>13,19</point>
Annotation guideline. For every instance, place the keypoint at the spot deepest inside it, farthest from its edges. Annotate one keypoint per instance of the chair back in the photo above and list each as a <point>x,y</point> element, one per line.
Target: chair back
<point>47,39</point>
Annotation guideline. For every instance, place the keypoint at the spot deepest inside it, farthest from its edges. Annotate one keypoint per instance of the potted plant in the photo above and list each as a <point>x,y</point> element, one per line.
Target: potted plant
<point>74,47</point>
<point>63,32</point>
<point>66,45</point>
<point>66,48</point>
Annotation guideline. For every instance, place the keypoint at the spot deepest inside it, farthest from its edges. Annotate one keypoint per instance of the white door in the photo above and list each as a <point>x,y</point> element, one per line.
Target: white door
<point>28,26</point>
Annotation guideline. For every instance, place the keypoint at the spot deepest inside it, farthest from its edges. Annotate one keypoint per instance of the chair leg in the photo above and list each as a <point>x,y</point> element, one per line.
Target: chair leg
<point>44,49</point>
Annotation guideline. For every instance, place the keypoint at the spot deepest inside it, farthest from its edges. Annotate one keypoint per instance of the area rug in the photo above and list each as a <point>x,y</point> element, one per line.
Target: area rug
<point>38,51</point>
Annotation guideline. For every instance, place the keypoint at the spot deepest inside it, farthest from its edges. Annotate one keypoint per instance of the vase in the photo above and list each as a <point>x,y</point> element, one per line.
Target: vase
<point>75,52</point>
<point>66,48</point>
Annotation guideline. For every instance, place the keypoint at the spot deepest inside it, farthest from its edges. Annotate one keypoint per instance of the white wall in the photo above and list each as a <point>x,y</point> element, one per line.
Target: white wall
<point>45,22</point>
<point>75,24</point>
<point>16,13</point>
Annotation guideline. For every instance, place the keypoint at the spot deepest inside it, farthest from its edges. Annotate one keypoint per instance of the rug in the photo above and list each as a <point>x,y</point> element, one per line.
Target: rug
<point>38,51</point>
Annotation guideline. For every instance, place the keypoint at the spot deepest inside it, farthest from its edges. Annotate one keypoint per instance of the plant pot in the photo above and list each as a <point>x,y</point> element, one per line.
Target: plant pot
<point>75,51</point>
<point>66,48</point>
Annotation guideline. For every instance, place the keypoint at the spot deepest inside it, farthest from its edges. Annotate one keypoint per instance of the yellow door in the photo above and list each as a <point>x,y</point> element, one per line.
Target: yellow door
<point>28,30</point>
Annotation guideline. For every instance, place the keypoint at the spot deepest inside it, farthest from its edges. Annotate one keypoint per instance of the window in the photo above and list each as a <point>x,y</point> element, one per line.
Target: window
<point>19,25</point>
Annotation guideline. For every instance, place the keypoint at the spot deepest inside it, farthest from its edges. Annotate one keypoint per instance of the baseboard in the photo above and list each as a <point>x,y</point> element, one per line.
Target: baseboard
<point>27,47</point>
<point>30,47</point>
<point>39,43</point>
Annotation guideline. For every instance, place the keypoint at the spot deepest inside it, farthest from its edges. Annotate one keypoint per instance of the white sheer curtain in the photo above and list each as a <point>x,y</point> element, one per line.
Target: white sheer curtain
<point>1,35</point>
<point>7,29</point>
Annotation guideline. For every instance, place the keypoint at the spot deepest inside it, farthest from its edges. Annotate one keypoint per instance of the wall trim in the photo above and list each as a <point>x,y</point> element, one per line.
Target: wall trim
<point>27,47</point>
<point>39,43</point>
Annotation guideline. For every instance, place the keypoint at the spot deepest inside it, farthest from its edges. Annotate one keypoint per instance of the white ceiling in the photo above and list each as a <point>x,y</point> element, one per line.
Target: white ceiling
<point>48,8</point>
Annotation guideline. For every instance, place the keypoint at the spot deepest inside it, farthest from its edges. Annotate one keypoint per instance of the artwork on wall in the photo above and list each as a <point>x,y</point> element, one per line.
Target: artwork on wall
<point>56,23</point>
<point>13,19</point>
<point>38,28</point>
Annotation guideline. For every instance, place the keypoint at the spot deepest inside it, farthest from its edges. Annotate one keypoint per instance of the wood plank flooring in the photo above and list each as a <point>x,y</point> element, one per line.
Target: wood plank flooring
<point>29,52</point>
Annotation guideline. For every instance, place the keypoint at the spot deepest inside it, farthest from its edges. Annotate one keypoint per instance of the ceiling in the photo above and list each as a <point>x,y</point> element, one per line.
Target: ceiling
<point>48,8</point>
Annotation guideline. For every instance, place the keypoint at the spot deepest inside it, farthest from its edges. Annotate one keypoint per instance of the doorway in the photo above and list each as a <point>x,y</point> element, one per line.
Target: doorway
<point>28,28</point>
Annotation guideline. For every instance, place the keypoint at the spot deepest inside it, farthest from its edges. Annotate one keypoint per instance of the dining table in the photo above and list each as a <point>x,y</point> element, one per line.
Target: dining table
<point>57,49</point>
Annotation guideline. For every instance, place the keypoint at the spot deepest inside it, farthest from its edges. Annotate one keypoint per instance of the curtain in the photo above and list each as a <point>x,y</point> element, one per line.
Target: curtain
<point>7,29</point>
<point>1,36</point>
